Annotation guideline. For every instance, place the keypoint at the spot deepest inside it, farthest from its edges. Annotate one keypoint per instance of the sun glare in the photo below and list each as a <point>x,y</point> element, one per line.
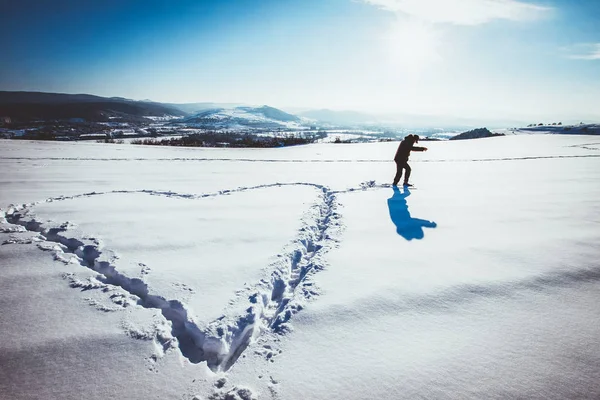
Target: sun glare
<point>411,45</point>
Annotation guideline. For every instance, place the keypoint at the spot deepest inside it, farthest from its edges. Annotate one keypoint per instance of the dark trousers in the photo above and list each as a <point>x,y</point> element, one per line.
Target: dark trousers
<point>400,165</point>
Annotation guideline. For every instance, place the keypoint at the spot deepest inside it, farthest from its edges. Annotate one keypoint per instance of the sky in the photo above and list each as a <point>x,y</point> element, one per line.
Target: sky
<point>512,59</point>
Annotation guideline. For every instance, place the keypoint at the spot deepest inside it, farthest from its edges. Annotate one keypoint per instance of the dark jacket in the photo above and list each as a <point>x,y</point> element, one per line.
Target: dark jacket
<point>404,149</point>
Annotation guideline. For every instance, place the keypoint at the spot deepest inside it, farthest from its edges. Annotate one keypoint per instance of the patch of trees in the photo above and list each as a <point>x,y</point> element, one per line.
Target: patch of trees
<point>52,131</point>
<point>230,139</point>
<point>542,124</point>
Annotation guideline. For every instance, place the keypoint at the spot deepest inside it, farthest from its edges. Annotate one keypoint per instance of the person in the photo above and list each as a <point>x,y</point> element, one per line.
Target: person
<point>401,158</point>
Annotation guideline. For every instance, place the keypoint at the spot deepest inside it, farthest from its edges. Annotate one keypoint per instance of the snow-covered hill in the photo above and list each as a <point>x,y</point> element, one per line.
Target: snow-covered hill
<point>299,273</point>
<point>259,118</point>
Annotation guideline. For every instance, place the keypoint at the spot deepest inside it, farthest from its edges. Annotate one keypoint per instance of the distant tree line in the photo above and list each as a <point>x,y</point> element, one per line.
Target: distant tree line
<point>230,139</point>
<point>53,129</point>
<point>542,124</point>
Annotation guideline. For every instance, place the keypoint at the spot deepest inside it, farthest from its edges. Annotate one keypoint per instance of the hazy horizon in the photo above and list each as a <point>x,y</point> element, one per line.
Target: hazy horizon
<point>480,59</point>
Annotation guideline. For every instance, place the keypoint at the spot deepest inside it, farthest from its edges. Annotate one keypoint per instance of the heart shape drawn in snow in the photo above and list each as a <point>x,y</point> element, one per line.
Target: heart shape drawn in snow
<point>271,302</point>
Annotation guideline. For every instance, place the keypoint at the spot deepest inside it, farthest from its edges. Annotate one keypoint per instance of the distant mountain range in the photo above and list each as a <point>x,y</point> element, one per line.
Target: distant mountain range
<point>194,108</point>
<point>24,107</point>
<point>38,106</point>
<point>52,98</point>
<point>264,117</point>
<point>402,120</point>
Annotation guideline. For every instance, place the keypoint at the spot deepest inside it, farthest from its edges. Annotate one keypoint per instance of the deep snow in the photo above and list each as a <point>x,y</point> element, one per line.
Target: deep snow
<point>143,272</point>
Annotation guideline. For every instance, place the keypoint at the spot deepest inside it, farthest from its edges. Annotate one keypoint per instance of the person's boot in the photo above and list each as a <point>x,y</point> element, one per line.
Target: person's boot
<point>406,184</point>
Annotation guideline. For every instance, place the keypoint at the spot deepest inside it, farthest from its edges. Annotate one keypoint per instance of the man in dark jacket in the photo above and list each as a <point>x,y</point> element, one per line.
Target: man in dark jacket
<point>401,158</point>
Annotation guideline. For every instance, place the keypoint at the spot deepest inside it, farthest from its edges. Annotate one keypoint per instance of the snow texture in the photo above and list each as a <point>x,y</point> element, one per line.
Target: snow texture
<point>300,273</point>
<point>244,118</point>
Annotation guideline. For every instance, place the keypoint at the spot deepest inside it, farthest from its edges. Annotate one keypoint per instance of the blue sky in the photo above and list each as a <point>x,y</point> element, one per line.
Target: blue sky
<point>486,58</point>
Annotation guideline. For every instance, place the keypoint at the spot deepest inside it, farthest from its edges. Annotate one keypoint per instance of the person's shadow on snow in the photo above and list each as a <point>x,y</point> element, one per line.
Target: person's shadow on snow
<point>406,226</point>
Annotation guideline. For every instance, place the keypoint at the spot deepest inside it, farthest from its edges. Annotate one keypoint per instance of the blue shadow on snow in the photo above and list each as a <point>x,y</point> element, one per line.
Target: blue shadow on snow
<point>406,226</point>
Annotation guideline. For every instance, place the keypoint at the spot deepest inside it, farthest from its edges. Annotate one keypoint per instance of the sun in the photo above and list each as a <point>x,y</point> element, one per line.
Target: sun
<point>411,45</point>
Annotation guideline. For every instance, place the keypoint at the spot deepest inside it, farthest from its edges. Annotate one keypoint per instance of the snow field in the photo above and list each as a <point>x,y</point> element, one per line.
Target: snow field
<point>284,273</point>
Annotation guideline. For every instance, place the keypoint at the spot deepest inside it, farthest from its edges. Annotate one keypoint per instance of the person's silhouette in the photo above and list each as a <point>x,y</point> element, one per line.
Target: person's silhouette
<point>406,226</point>
<point>401,158</point>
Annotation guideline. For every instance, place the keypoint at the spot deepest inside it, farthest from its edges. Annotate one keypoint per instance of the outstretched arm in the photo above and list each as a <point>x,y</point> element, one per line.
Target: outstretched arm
<point>416,148</point>
<point>425,223</point>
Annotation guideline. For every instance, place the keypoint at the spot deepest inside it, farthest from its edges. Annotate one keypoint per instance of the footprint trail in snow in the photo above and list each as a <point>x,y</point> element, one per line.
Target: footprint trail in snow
<point>271,302</point>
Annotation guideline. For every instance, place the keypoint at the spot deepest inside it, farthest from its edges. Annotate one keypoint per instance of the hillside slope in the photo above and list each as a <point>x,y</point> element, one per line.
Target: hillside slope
<point>33,106</point>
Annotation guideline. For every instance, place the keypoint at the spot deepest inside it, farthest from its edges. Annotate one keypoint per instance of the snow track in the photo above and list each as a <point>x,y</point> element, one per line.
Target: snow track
<point>270,303</point>
<point>588,146</point>
<point>295,161</point>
